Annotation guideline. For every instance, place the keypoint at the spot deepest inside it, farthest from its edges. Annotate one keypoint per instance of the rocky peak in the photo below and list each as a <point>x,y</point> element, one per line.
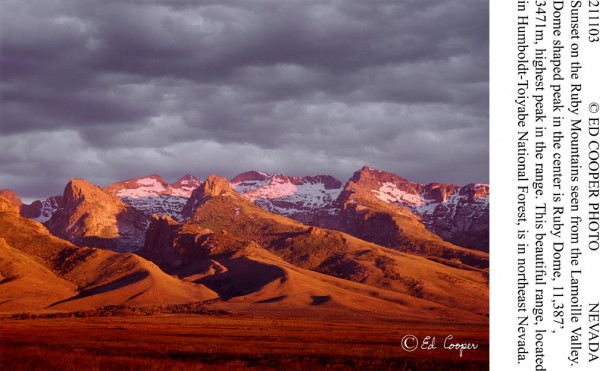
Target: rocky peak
<point>475,191</point>
<point>438,192</point>
<point>372,179</point>
<point>393,189</point>
<point>91,216</point>
<point>162,220</point>
<point>186,181</point>
<point>171,245</point>
<point>213,186</point>
<point>78,190</point>
<point>369,174</point>
<point>185,186</point>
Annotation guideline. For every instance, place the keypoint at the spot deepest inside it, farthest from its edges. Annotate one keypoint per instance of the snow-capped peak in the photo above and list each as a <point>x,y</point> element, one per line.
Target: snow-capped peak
<point>288,195</point>
<point>146,187</point>
<point>153,195</point>
<point>151,185</point>
<point>185,185</point>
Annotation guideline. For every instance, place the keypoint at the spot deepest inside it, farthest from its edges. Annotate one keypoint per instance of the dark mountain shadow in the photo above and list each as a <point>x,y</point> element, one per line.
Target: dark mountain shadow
<point>243,276</point>
<point>111,286</point>
<point>320,299</point>
<point>131,229</point>
<point>272,300</point>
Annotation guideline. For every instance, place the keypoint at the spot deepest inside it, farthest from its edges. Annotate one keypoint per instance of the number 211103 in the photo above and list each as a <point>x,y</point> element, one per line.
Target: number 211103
<point>593,22</point>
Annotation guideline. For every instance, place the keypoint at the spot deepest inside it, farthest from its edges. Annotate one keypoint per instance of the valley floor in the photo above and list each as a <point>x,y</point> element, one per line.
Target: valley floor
<point>232,342</point>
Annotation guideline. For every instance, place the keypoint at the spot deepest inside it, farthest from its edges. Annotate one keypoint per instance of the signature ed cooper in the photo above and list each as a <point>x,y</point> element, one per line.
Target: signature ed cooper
<point>411,343</point>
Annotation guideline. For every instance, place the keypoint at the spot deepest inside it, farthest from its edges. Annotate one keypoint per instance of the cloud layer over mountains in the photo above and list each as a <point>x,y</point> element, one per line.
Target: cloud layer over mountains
<point>109,90</point>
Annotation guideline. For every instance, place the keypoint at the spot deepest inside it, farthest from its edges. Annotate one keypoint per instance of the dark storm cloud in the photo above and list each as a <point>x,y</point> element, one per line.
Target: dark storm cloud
<point>115,89</point>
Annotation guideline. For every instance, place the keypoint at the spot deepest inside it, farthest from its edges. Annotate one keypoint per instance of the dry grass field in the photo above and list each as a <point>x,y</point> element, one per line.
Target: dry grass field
<point>230,342</point>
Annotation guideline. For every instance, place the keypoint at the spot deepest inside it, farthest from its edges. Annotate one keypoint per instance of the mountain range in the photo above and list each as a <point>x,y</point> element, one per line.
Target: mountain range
<point>377,243</point>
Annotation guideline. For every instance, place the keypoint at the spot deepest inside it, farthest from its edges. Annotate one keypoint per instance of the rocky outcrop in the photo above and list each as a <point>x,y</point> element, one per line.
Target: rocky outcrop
<point>93,217</point>
<point>166,246</point>
<point>214,186</point>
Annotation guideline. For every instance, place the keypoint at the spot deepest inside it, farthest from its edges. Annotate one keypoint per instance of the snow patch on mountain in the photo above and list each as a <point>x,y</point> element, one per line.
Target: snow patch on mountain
<point>170,205</point>
<point>457,214</point>
<point>183,192</point>
<point>389,193</point>
<point>185,186</point>
<point>290,196</point>
<point>153,195</point>
<point>49,207</point>
<point>147,187</point>
<point>476,195</point>
<point>42,211</point>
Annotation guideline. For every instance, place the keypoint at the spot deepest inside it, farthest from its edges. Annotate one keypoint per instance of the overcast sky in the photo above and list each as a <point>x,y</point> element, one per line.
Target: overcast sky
<point>109,90</point>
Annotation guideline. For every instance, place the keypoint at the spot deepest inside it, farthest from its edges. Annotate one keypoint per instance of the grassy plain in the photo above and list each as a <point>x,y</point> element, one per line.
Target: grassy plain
<point>231,342</point>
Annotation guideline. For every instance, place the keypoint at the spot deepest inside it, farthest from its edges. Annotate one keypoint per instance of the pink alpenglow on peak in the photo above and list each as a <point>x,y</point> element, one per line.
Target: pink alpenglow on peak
<point>185,185</point>
<point>153,195</point>
<point>151,185</point>
<point>301,198</point>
